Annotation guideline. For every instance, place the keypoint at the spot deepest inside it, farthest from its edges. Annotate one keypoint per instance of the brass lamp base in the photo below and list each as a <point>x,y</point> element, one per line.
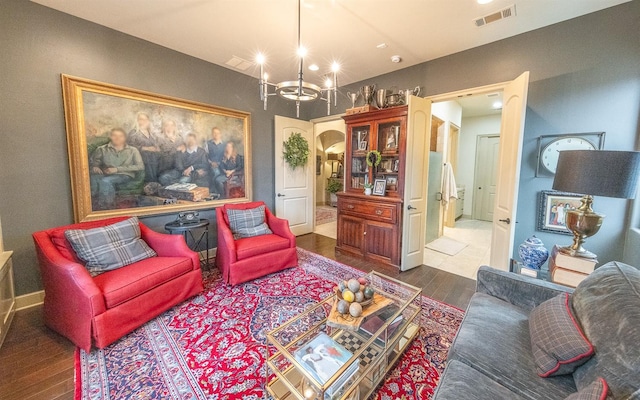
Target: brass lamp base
<point>584,223</point>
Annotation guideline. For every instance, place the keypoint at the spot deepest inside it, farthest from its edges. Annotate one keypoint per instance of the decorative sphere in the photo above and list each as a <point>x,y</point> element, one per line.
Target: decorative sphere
<point>353,285</point>
<point>355,309</point>
<point>368,292</point>
<point>342,286</point>
<point>363,281</point>
<point>342,307</point>
<point>359,297</point>
<point>348,295</point>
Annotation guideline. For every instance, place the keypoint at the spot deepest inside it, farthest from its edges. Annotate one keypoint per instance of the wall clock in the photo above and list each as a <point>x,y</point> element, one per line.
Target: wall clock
<point>550,146</point>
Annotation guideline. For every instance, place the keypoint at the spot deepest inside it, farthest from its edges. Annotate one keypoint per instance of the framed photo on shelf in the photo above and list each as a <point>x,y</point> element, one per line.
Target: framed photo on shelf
<point>362,145</point>
<point>155,131</point>
<point>552,210</point>
<point>379,187</point>
<point>396,165</point>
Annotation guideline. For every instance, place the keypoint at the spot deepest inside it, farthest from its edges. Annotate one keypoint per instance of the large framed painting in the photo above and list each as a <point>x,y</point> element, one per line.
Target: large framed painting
<point>552,210</point>
<point>133,152</point>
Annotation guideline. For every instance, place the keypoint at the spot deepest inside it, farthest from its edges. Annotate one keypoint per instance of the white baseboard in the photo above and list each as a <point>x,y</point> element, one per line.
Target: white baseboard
<point>29,300</point>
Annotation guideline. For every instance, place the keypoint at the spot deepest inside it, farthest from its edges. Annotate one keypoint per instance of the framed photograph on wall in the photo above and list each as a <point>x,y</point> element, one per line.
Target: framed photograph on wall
<point>318,165</point>
<point>133,152</point>
<point>379,187</point>
<point>552,210</point>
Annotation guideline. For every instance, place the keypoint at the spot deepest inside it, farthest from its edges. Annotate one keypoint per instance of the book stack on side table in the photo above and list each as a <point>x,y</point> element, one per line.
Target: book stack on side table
<point>569,270</point>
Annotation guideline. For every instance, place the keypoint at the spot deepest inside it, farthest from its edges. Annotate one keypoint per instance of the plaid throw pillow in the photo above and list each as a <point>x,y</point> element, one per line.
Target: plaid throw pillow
<point>248,223</point>
<point>558,344</point>
<point>109,247</point>
<point>595,391</point>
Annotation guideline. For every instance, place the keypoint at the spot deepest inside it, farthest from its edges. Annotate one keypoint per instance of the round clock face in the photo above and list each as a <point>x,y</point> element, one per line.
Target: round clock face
<point>551,152</point>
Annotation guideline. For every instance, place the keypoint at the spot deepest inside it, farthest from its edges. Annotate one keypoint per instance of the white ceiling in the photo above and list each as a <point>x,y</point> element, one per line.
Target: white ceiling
<point>343,30</point>
<point>480,104</point>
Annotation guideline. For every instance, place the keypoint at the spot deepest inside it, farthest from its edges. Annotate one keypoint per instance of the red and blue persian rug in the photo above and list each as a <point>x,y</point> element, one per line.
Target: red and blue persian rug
<point>213,346</point>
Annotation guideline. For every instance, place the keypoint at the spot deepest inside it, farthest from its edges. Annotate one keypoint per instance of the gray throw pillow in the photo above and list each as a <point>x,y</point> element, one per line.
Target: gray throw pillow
<point>595,391</point>
<point>248,223</point>
<point>558,344</point>
<point>109,247</point>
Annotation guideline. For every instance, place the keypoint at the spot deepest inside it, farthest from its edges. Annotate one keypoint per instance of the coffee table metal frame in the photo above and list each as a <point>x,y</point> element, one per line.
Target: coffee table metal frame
<point>286,378</point>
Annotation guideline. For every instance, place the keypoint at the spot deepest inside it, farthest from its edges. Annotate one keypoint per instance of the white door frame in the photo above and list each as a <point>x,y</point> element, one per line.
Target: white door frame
<point>501,86</point>
<point>330,122</point>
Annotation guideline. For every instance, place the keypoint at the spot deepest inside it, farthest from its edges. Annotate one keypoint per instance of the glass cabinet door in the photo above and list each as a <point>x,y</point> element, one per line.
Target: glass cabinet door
<point>360,145</point>
<point>388,144</point>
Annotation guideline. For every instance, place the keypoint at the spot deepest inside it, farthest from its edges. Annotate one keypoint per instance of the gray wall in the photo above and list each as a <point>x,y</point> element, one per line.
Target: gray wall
<point>585,77</point>
<point>38,44</point>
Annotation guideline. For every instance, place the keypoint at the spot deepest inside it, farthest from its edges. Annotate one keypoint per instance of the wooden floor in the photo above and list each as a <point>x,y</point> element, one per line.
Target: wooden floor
<point>36,363</point>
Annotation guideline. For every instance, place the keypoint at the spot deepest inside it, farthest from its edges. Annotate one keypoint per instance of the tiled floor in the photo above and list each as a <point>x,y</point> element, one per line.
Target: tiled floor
<point>330,229</point>
<point>477,235</point>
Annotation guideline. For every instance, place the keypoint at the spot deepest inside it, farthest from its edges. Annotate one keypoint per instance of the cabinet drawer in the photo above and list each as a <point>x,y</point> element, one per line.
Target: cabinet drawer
<point>381,212</point>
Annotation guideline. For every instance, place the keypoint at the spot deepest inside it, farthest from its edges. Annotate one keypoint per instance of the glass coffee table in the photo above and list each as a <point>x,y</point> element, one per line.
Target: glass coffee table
<point>310,357</point>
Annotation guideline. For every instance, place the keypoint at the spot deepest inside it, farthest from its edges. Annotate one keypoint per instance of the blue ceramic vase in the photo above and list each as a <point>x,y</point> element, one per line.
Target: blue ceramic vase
<point>533,253</point>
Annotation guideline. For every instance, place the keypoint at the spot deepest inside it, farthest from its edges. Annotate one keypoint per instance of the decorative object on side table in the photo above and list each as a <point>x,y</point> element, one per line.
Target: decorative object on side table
<point>533,253</point>
<point>594,173</point>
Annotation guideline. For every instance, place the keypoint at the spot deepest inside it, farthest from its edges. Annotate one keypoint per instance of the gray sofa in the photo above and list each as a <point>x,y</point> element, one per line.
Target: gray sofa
<point>491,356</point>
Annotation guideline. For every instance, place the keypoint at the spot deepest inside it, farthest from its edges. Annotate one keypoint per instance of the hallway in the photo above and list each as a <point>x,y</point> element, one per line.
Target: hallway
<point>477,236</point>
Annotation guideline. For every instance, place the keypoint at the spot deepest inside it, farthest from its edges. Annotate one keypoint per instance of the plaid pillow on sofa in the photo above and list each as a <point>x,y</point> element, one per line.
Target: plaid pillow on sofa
<point>109,247</point>
<point>558,344</point>
<point>596,391</point>
<point>248,223</point>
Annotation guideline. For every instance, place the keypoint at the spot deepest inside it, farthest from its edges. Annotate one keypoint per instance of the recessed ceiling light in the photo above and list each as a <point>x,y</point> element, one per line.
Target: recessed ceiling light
<point>484,1</point>
<point>314,67</point>
<point>382,46</point>
<point>497,105</point>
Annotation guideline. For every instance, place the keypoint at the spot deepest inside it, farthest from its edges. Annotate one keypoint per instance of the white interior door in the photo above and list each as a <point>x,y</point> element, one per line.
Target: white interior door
<point>414,214</point>
<point>487,157</point>
<point>294,187</point>
<point>512,128</point>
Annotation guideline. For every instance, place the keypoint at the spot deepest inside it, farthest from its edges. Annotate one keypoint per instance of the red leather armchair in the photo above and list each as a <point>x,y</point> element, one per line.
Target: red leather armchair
<point>246,259</point>
<point>102,309</point>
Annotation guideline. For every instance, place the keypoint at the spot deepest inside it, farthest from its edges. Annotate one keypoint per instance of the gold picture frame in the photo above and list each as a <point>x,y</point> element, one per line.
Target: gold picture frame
<point>98,114</point>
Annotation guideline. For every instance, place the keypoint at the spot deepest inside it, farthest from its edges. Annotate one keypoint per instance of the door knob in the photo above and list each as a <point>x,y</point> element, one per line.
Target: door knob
<point>411,208</point>
<point>506,220</point>
<point>280,195</point>
<point>439,196</point>
<point>480,188</point>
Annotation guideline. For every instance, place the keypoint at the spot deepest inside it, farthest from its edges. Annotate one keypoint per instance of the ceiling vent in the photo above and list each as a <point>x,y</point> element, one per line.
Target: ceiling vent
<point>496,16</point>
<point>239,63</point>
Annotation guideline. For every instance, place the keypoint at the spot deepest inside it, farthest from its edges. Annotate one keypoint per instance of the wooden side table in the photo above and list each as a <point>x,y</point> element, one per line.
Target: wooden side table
<point>7,295</point>
<point>187,230</point>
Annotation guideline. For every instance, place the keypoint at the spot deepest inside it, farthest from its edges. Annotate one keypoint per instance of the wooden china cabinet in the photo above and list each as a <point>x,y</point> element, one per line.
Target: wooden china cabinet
<point>371,226</point>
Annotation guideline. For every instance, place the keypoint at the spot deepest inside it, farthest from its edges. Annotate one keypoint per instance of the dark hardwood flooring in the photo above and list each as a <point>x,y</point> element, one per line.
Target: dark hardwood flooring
<point>38,364</point>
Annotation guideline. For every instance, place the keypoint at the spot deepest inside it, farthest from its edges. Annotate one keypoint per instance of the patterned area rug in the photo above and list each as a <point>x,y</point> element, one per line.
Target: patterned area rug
<point>213,346</point>
<point>326,214</point>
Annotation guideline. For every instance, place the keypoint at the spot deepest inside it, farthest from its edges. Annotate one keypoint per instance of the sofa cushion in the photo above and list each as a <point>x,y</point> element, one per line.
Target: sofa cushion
<point>239,206</point>
<point>121,285</point>
<point>109,247</point>
<point>61,243</point>
<point>460,381</point>
<point>607,306</point>
<point>248,223</point>
<point>494,339</point>
<point>595,391</point>
<point>250,247</point>
<point>558,344</point>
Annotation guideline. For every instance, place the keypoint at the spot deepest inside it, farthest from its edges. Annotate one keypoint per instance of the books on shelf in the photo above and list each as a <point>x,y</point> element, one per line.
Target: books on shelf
<point>569,270</point>
<point>322,357</point>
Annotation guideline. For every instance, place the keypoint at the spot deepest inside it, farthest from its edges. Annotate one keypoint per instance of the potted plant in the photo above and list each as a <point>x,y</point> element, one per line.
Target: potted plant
<point>368,188</point>
<point>334,186</point>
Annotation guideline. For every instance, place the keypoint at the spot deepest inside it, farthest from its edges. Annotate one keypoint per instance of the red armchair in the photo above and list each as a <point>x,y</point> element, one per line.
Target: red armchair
<point>246,259</point>
<point>102,309</point>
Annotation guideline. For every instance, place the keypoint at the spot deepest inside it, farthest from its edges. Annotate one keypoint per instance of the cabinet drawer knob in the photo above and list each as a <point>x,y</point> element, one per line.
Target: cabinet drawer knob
<point>378,212</point>
<point>365,232</point>
<point>350,206</point>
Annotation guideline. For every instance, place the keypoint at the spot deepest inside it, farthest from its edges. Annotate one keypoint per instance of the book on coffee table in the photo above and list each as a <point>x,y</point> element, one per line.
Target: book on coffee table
<point>373,323</point>
<point>322,357</point>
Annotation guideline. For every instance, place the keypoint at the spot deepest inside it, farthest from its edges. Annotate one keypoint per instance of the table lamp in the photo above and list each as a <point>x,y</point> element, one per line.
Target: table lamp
<point>594,173</point>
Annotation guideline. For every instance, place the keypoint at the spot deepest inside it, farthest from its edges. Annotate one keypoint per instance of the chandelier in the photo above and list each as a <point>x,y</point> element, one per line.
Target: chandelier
<point>299,90</point>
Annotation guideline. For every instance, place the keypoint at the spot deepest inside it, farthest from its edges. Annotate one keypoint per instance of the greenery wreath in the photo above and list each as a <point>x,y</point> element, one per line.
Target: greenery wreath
<point>296,150</point>
<point>373,158</point>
